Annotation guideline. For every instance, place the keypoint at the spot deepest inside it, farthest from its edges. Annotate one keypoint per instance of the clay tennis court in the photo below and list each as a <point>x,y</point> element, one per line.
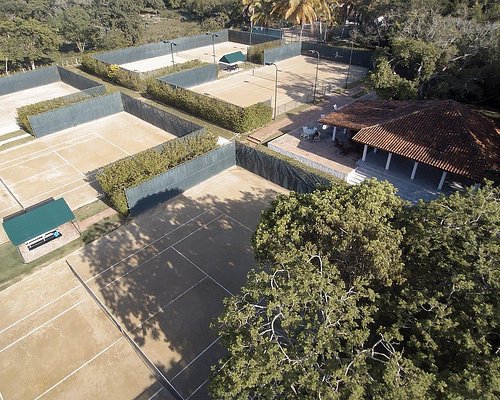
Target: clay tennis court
<point>9,103</point>
<point>296,78</point>
<point>163,277</point>
<point>204,53</point>
<point>63,164</point>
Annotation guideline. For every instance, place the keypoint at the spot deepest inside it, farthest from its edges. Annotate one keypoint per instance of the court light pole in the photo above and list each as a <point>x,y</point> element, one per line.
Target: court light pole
<point>275,88</point>
<point>172,44</point>
<point>214,35</point>
<point>316,80</point>
<point>349,67</point>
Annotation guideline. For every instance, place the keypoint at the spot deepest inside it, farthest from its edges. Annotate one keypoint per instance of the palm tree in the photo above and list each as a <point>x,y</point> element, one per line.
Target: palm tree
<point>259,11</point>
<point>301,11</point>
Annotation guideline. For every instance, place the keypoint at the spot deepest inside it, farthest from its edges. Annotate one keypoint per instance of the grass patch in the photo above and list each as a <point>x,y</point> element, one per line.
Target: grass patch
<point>102,228</point>
<point>16,143</point>
<point>89,210</point>
<point>170,24</point>
<point>12,267</point>
<point>12,134</point>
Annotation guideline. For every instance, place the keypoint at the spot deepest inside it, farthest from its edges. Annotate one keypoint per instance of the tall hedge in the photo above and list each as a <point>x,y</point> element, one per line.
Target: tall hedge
<point>130,79</point>
<point>222,113</point>
<point>48,105</point>
<point>255,54</point>
<point>117,177</point>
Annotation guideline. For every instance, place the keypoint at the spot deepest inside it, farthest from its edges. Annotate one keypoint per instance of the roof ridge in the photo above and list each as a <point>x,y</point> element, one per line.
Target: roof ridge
<point>405,115</point>
<point>459,108</point>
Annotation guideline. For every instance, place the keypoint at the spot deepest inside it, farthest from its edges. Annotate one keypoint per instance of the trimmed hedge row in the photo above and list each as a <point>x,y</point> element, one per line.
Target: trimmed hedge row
<point>123,174</point>
<point>48,105</point>
<point>255,54</point>
<point>129,79</point>
<point>229,116</point>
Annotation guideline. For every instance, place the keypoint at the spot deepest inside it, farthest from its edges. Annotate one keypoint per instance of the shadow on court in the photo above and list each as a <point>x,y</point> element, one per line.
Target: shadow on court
<point>164,275</point>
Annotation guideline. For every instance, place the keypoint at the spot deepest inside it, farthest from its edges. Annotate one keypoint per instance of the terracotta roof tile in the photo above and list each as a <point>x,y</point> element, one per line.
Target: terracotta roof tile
<point>363,113</point>
<point>444,134</point>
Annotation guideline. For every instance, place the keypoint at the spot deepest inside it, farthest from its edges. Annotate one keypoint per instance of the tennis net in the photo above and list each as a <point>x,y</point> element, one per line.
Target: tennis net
<point>264,75</point>
<point>152,367</point>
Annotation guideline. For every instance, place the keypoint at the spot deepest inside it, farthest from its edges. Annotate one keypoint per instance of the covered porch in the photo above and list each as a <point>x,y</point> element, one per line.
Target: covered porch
<point>413,180</point>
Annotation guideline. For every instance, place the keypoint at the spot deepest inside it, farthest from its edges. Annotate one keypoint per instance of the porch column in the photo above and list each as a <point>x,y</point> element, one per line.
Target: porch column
<point>388,163</point>
<point>375,150</point>
<point>441,182</point>
<point>414,170</point>
<point>365,150</point>
<point>334,133</point>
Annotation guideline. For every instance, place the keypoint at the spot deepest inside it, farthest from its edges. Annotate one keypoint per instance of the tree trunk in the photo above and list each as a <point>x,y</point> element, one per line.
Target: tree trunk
<point>80,46</point>
<point>301,29</point>
<point>6,66</point>
<point>32,64</point>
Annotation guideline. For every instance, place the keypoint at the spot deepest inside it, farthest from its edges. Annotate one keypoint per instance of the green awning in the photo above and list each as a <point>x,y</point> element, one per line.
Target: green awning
<point>232,58</point>
<point>39,220</point>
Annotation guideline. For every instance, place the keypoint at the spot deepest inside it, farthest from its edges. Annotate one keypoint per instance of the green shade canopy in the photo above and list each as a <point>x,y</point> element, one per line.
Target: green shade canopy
<point>33,223</point>
<point>232,58</point>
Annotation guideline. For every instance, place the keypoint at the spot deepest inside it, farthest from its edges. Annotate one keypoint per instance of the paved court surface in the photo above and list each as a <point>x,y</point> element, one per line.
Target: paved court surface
<point>9,103</point>
<point>63,164</point>
<point>296,77</point>
<point>163,277</point>
<point>204,53</point>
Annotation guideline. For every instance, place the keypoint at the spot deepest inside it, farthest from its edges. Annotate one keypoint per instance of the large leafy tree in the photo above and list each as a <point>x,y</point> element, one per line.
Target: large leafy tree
<point>458,44</point>
<point>77,26</point>
<point>9,50</point>
<point>118,17</point>
<point>35,40</point>
<point>404,307</point>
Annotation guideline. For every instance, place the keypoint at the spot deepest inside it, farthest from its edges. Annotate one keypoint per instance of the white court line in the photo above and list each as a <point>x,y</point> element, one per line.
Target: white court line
<point>114,145</point>
<point>40,173</point>
<point>88,280</point>
<point>234,219</point>
<point>161,308</point>
<point>203,271</point>
<point>147,245</point>
<point>44,194</point>
<point>41,326</point>
<point>8,208</point>
<point>79,368</point>
<point>154,394</point>
<point>198,388</point>
<point>205,381</point>
<point>70,164</point>
<point>43,152</point>
<point>157,254</point>
<point>38,310</point>
<point>194,359</point>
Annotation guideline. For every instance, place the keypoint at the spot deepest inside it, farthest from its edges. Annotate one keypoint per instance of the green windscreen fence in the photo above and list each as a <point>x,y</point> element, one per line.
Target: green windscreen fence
<point>39,220</point>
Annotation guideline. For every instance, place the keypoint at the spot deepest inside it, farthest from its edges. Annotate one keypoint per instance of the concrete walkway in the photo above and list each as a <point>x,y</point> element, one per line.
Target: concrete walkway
<point>308,117</point>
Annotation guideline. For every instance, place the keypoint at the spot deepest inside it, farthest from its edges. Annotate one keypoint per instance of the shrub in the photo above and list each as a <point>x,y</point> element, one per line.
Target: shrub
<point>48,105</point>
<point>123,174</point>
<point>227,115</point>
<point>130,79</point>
<point>255,54</point>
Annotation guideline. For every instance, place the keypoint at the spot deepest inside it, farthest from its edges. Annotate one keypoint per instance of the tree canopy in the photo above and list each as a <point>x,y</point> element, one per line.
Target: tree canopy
<point>358,295</point>
<point>435,49</point>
